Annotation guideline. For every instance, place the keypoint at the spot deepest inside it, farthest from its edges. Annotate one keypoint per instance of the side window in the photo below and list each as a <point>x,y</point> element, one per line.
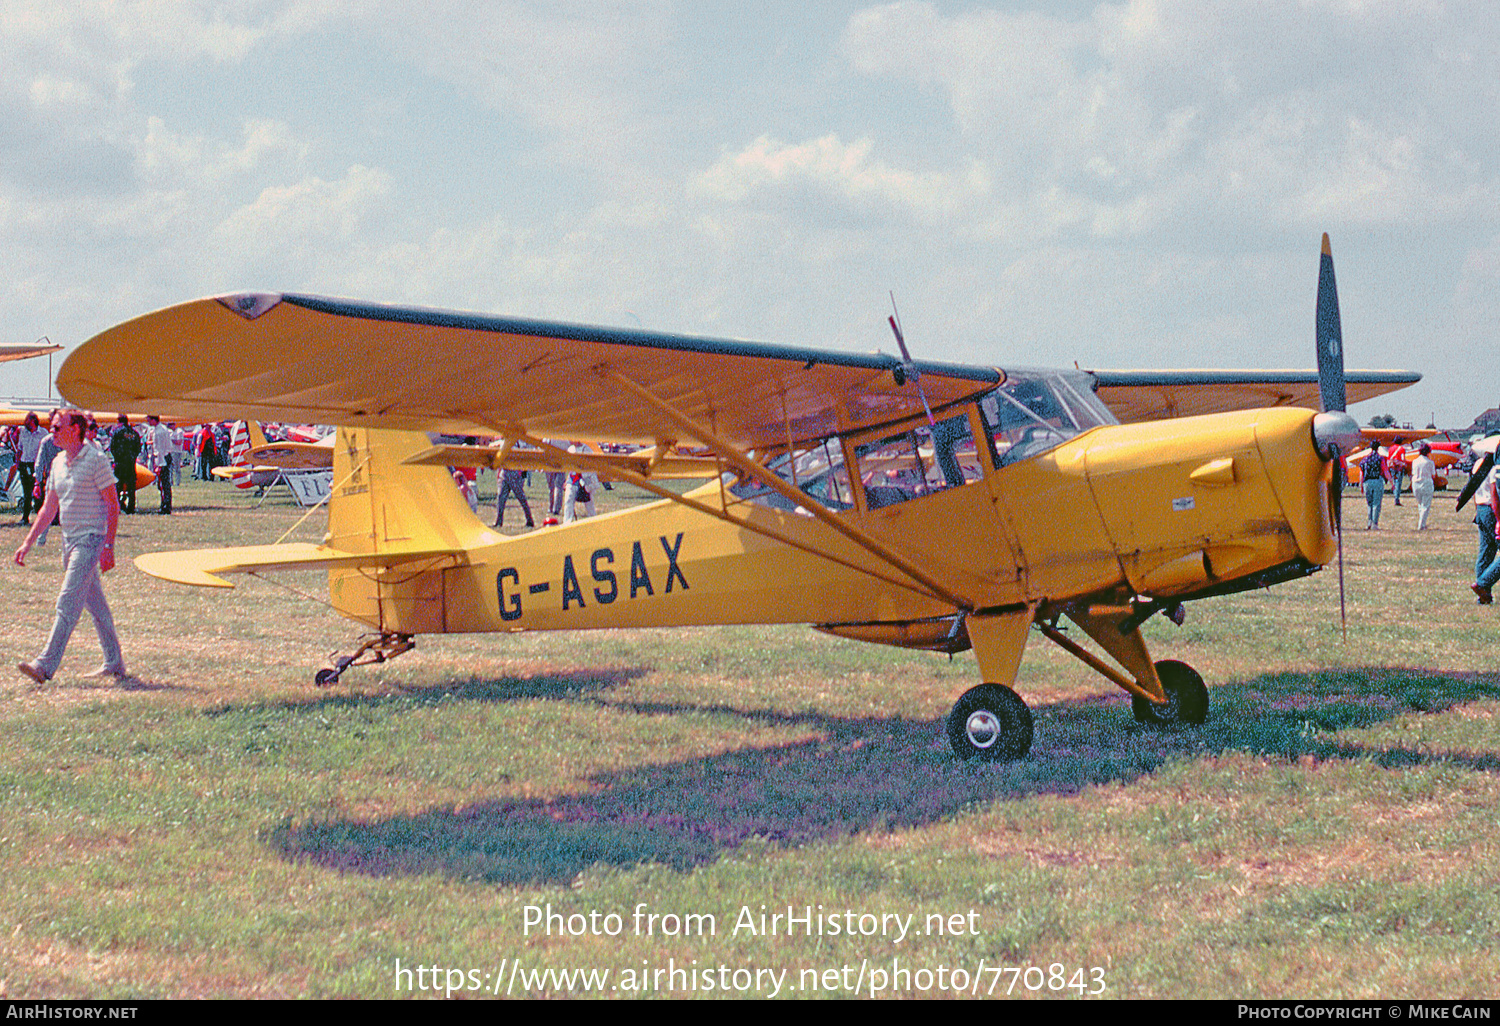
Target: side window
<point>818,471</point>
<point>917,462</point>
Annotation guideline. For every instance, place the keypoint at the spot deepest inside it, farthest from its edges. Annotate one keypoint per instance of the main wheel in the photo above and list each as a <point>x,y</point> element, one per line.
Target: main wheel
<point>991,723</point>
<point>1187,697</point>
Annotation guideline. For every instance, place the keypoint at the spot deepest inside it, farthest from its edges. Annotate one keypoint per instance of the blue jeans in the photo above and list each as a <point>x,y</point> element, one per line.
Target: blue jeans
<point>1374,493</point>
<point>82,589</point>
<point>1484,519</point>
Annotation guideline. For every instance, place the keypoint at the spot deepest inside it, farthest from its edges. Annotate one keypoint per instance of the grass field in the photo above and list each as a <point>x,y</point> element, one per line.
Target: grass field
<point>220,828</point>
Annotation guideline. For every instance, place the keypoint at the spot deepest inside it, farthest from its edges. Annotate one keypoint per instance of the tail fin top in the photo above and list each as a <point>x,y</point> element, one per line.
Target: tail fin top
<point>380,505</point>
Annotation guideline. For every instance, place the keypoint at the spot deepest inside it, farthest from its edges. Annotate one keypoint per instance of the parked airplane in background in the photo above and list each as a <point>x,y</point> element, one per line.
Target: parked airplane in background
<point>923,505</point>
<point>290,453</point>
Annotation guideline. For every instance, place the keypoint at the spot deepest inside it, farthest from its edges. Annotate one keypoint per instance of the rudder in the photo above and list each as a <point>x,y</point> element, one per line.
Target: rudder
<point>378,505</point>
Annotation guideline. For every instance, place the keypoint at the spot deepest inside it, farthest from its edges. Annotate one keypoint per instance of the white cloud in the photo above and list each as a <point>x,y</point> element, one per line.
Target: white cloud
<point>841,172</point>
<point>203,161</point>
<point>312,214</point>
<point>1075,181</point>
<point>581,73</point>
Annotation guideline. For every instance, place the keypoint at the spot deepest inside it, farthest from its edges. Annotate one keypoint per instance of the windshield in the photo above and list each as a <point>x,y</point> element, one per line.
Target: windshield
<point>1035,411</point>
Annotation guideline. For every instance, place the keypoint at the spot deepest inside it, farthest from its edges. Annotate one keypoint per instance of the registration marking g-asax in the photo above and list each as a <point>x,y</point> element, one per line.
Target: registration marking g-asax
<point>607,586</point>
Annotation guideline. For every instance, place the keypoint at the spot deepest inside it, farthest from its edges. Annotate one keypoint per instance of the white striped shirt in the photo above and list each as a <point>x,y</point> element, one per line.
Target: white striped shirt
<point>79,488</point>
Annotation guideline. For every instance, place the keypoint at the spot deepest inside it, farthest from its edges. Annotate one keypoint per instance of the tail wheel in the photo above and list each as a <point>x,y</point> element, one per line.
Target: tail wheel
<point>1187,697</point>
<point>990,723</point>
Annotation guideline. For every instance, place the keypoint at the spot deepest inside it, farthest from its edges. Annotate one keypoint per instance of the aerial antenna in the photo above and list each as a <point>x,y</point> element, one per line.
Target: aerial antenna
<point>908,365</point>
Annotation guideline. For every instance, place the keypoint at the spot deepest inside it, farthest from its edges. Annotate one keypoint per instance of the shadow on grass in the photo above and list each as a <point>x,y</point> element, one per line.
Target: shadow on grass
<point>864,774</point>
<point>571,685</point>
<point>106,685</point>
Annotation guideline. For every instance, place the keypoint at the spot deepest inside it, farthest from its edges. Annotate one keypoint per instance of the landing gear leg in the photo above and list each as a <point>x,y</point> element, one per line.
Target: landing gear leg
<point>1187,697</point>
<point>990,723</point>
<point>375,648</point>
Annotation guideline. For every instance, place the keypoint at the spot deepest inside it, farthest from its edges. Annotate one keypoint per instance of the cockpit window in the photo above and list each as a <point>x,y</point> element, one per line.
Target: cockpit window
<point>921,461</point>
<point>1029,414</point>
<point>818,471</point>
<point>1032,412</point>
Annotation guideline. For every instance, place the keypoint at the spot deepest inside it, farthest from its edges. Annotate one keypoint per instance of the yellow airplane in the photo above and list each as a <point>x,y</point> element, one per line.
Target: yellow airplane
<point>922,505</point>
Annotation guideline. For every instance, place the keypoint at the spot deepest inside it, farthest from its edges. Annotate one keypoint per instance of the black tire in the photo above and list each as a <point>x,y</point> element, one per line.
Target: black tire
<point>990,723</point>
<point>325,677</point>
<point>1187,697</point>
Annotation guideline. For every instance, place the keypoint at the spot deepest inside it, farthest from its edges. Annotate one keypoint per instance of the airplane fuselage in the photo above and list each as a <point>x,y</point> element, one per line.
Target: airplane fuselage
<point>1116,512</point>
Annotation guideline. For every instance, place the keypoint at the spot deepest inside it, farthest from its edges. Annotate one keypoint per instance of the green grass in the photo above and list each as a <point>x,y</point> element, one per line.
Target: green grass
<point>221,828</point>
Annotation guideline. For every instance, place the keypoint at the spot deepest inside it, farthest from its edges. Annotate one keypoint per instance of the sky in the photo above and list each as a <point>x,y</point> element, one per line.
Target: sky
<point>1120,185</point>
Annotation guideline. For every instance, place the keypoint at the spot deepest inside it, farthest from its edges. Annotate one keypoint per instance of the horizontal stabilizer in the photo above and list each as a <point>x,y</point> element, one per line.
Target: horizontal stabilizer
<point>584,462</point>
<point>201,567</point>
<point>231,473</point>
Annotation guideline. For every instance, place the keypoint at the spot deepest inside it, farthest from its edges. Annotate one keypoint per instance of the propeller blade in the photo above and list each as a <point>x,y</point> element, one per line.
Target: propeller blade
<point>1330,336</point>
<point>1338,430</point>
<point>1475,480</point>
<point>909,365</point>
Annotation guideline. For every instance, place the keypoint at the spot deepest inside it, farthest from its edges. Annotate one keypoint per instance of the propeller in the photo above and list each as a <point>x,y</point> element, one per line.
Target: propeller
<point>1477,476</point>
<point>1334,431</point>
<point>909,370</point>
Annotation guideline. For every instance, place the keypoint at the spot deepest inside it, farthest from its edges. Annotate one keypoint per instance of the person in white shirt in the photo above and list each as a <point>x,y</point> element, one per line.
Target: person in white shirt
<point>81,491</point>
<point>32,437</point>
<point>160,440</point>
<point>1423,471</point>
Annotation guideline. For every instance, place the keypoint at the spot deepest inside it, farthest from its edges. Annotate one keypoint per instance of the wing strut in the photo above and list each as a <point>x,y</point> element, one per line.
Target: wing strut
<point>750,468</point>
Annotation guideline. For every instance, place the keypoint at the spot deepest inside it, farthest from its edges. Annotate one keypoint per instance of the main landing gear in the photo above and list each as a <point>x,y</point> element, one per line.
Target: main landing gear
<point>1187,697</point>
<point>375,648</point>
<point>990,723</point>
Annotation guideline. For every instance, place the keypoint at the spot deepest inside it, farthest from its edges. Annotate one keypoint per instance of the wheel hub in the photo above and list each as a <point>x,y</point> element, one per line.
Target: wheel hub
<point>983,728</point>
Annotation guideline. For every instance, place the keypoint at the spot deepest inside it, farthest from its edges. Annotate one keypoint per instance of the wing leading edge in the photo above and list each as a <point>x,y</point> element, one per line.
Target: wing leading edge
<point>1135,395</point>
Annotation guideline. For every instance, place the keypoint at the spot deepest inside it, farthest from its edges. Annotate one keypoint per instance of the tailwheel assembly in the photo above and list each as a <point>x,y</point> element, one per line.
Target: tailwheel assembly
<point>990,723</point>
<point>1187,697</point>
<point>374,648</point>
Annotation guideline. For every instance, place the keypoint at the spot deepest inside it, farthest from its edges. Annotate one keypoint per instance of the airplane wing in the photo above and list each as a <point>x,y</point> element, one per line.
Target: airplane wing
<point>25,350</point>
<point>202,567</point>
<point>1134,395</point>
<point>301,358</point>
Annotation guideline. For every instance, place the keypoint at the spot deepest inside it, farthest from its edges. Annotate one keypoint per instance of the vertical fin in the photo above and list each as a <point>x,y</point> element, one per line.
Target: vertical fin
<point>378,504</point>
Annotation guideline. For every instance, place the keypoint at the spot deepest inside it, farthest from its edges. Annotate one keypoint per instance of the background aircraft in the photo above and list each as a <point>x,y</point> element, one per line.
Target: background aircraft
<point>290,453</point>
<point>917,504</point>
<point>256,462</point>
